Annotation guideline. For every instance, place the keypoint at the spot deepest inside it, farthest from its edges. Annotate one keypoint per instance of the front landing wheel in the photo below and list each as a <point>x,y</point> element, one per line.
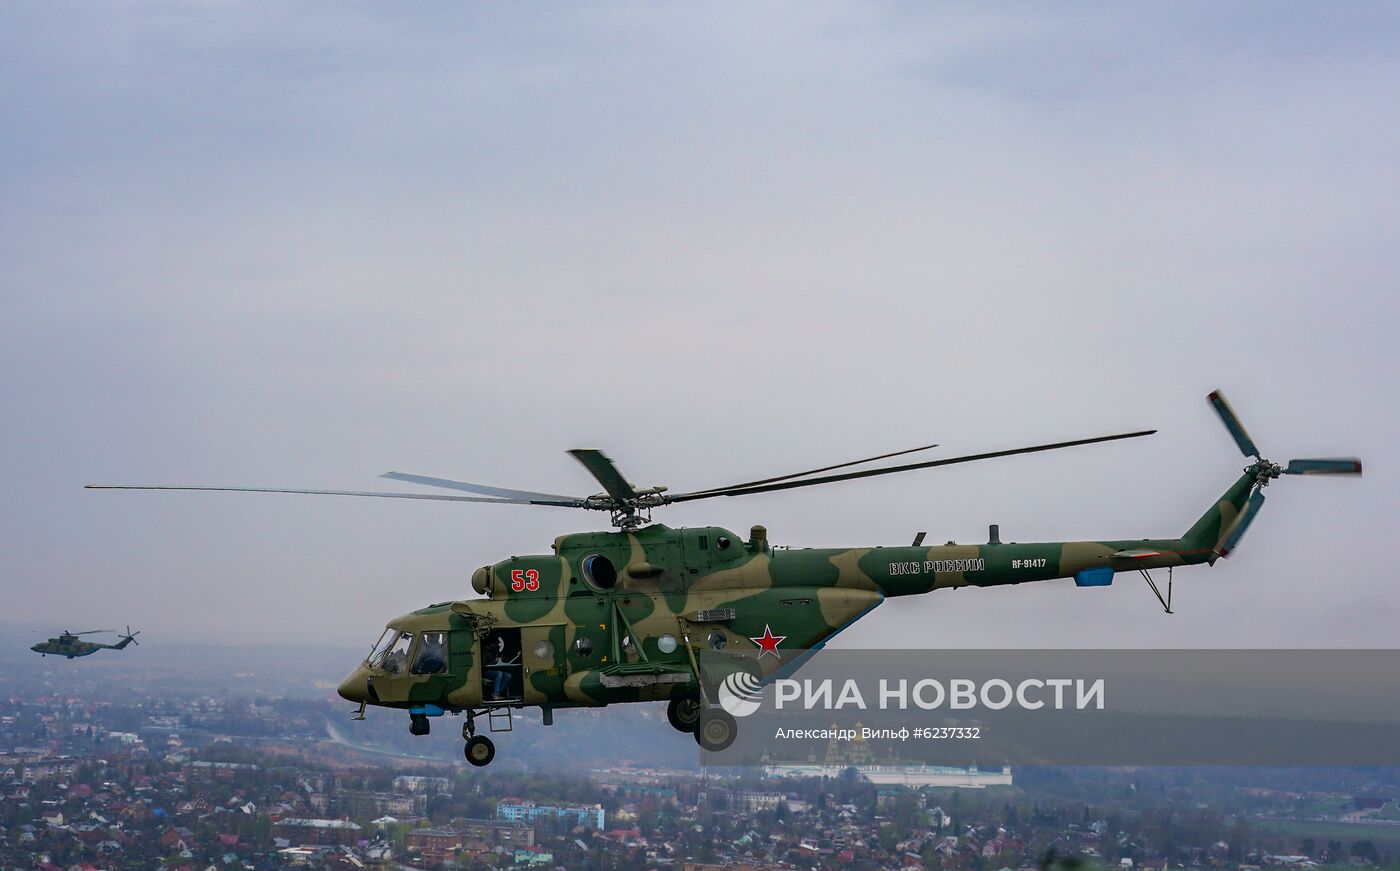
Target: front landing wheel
<point>684,714</point>
<point>479,751</point>
<point>716,731</point>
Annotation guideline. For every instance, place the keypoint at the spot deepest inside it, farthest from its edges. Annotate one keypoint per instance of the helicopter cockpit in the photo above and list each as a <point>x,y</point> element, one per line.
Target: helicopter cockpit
<point>391,654</point>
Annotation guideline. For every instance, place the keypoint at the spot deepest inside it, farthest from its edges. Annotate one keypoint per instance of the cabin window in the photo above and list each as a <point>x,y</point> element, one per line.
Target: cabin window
<point>666,643</point>
<point>599,571</point>
<point>432,654</point>
<point>583,647</point>
<point>544,649</point>
<point>717,640</point>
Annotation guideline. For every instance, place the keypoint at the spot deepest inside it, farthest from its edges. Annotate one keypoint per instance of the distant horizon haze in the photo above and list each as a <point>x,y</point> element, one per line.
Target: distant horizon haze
<point>303,245</point>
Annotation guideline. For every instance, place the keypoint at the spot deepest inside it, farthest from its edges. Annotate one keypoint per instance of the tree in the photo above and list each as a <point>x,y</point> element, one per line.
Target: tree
<point>1241,839</point>
<point>1364,850</point>
<point>889,836</point>
<point>1052,861</point>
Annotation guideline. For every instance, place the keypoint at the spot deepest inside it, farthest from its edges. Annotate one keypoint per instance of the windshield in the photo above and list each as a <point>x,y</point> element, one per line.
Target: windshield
<point>394,655</point>
<point>381,647</point>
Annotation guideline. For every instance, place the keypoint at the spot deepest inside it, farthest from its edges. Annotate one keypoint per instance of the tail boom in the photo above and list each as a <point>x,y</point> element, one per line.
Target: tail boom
<point>903,571</point>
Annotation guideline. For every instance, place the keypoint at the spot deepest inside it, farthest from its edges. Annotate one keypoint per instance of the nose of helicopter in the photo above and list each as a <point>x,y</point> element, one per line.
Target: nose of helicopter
<point>355,687</point>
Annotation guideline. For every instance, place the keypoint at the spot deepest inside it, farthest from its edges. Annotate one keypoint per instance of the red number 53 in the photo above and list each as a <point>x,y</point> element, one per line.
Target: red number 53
<point>529,579</point>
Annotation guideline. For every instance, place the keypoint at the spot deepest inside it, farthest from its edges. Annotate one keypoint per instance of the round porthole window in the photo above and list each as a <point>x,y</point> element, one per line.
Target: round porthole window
<point>666,644</point>
<point>717,640</point>
<point>627,644</point>
<point>583,647</point>
<point>599,571</point>
<point>544,649</point>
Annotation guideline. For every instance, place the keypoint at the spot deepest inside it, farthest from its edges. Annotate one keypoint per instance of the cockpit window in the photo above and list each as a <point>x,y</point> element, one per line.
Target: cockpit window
<point>381,646</point>
<point>395,659</point>
<point>432,654</point>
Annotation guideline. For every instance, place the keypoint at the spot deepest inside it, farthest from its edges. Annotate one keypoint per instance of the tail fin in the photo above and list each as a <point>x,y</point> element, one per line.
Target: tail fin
<point>1208,534</point>
<point>1220,529</point>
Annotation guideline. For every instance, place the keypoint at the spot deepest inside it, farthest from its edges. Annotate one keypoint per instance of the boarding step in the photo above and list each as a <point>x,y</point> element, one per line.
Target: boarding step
<point>498,720</point>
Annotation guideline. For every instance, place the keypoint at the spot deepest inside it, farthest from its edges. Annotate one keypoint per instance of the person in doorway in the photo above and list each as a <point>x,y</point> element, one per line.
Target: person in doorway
<point>501,671</point>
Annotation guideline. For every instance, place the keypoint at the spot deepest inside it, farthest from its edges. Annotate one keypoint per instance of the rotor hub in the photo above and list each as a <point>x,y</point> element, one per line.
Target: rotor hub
<point>1265,471</point>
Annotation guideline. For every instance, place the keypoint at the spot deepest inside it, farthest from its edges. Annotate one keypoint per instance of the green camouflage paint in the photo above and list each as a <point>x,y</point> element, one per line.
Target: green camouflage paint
<point>667,578</point>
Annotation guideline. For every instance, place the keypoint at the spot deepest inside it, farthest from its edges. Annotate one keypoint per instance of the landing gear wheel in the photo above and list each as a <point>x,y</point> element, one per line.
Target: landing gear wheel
<point>716,730</point>
<point>683,713</point>
<point>479,751</point>
<point>418,724</point>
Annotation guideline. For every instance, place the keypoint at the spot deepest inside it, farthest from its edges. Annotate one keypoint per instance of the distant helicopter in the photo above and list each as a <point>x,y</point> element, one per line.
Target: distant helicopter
<point>645,613</point>
<point>69,645</point>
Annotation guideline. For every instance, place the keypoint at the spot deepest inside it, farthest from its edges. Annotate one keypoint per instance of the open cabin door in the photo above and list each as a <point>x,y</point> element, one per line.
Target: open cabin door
<point>502,666</point>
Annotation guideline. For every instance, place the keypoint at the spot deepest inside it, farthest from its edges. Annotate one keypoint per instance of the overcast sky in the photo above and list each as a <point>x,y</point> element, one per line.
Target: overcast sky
<point>303,244</point>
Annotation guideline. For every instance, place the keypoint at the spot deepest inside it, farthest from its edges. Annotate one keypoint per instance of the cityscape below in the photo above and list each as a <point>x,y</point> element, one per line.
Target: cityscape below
<point>244,758</point>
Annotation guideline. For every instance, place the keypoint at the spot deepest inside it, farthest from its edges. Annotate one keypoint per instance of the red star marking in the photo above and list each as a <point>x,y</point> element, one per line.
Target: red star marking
<point>768,642</point>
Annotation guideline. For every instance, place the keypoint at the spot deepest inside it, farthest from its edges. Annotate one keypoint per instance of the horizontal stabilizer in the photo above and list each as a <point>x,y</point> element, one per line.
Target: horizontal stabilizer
<point>1141,553</point>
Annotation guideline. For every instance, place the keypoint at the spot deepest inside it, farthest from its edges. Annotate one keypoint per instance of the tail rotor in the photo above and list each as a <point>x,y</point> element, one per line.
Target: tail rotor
<point>131,636</point>
<point>1329,466</point>
<point>1232,423</point>
<point>1236,531</point>
<point>1265,471</point>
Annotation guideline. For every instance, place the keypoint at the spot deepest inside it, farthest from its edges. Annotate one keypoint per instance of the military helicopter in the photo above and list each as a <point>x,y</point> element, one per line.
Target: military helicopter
<point>642,613</point>
<point>69,645</point>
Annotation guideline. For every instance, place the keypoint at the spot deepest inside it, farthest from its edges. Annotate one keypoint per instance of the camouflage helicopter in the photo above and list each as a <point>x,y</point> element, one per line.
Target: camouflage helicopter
<point>642,613</point>
<point>68,644</point>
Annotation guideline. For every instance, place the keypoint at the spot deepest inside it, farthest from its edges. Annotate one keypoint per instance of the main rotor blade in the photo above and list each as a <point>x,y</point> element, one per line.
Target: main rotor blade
<point>483,489</point>
<point>1328,466</point>
<point>1232,423</point>
<point>815,471</point>
<point>429,496</point>
<point>602,468</point>
<point>888,470</point>
<point>92,632</point>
